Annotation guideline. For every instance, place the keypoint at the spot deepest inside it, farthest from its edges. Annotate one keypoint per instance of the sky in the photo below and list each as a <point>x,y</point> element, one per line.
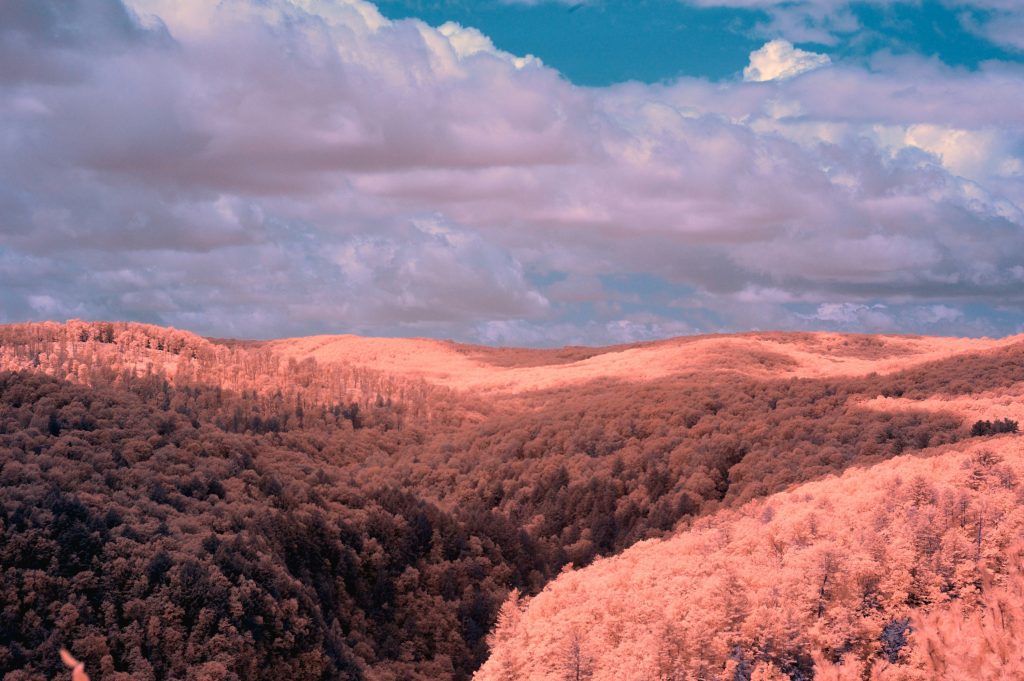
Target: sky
<point>512,172</point>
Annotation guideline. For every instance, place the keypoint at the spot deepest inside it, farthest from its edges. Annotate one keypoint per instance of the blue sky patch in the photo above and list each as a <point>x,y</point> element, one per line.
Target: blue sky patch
<point>610,41</point>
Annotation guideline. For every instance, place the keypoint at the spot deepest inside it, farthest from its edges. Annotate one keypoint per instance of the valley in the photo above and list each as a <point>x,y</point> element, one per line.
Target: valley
<point>344,507</point>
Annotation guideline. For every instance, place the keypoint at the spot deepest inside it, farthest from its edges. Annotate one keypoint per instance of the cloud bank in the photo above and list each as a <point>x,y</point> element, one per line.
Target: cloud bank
<point>286,167</point>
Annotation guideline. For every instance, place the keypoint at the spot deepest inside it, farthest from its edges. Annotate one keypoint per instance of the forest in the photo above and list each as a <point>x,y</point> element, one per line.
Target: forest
<point>909,570</point>
<point>155,545</point>
<point>175,507</point>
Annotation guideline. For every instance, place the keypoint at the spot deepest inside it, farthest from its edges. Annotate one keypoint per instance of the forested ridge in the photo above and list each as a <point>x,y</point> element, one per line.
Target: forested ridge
<point>909,570</point>
<point>174,507</point>
<point>107,352</point>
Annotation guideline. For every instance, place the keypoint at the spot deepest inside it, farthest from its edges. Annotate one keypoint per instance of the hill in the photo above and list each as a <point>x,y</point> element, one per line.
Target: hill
<point>480,369</point>
<point>365,505</point>
<point>837,571</point>
<point>503,370</point>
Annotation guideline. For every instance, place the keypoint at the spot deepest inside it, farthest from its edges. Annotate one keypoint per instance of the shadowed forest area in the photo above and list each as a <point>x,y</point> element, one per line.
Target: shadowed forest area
<point>178,508</point>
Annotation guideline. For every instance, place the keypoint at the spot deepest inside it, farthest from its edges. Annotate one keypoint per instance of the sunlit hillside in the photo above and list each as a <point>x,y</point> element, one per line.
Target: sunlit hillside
<point>358,366</point>
<point>87,352</point>
<point>842,571</point>
<point>805,355</point>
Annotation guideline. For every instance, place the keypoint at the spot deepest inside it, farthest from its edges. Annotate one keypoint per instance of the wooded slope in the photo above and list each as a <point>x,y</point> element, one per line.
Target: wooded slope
<point>838,569</point>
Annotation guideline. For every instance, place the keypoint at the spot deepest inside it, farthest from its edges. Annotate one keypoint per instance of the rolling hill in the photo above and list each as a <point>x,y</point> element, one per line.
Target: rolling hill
<point>482,369</point>
<point>346,507</point>
<point>836,572</point>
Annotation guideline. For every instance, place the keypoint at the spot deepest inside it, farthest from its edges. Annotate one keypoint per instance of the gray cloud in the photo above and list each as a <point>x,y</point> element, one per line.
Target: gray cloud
<point>292,167</point>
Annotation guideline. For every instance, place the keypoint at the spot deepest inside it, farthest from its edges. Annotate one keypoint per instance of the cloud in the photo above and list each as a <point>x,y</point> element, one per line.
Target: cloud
<point>824,21</point>
<point>468,41</point>
<point>877,318</point>
<point>778,60</point>
<point>431,272</point>
<point>936,314</point>
<point>521,332</point>
<point>284,167</point>
<point>874,317</point>
<point>1002,24</point>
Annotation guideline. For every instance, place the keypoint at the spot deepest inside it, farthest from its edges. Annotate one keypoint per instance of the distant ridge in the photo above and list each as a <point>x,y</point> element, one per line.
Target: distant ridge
<point>396,362</point>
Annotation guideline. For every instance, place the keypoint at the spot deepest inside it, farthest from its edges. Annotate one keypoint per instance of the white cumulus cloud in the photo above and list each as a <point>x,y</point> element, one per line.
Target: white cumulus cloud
<point>778,60</point>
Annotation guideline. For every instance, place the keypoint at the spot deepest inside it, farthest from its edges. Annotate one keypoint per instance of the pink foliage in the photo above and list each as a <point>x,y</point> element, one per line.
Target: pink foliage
<point>895,572</point>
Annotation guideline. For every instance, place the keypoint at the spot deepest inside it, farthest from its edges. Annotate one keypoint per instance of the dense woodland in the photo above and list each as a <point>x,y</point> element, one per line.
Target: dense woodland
<point>174,507</point>
<point>155,544</point>
<point>910,570</point>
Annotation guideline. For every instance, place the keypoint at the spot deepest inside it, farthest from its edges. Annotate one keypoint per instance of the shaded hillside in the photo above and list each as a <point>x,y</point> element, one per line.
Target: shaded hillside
<point>836,569</point>
<point>155,546</point>
<point>589,470</point>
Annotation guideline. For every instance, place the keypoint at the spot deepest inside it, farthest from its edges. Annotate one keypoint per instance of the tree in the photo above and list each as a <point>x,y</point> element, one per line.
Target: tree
<point>577,664</point>
<point>505,629</point>
<point>986,642</point>
<point>982,428</point>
